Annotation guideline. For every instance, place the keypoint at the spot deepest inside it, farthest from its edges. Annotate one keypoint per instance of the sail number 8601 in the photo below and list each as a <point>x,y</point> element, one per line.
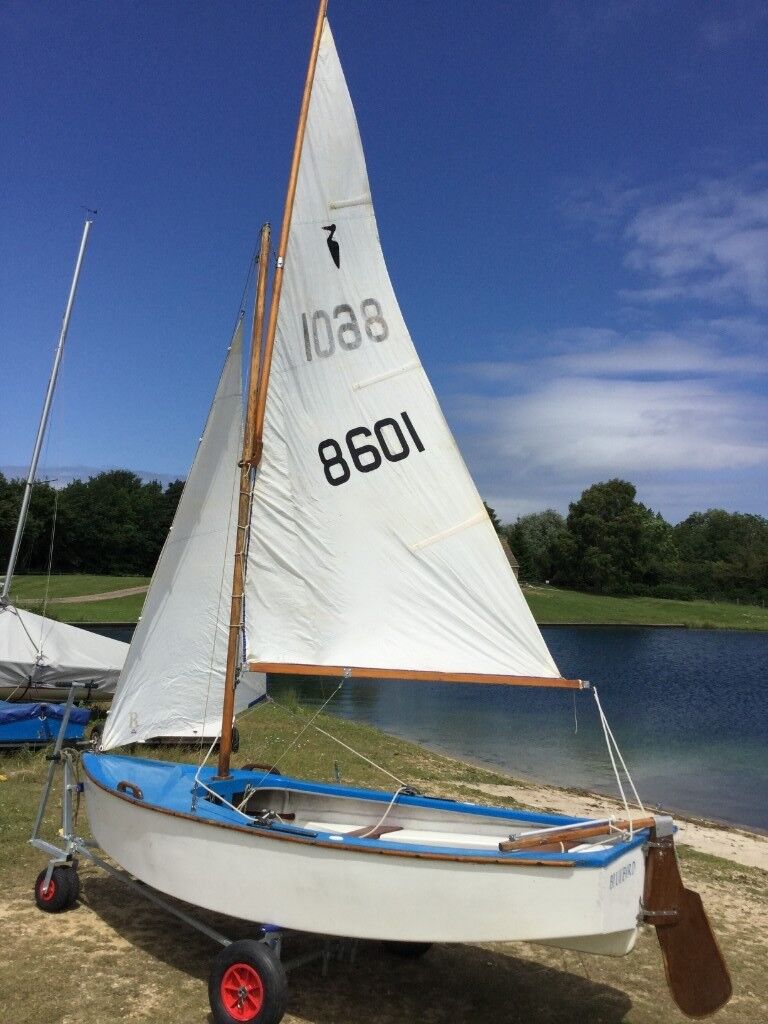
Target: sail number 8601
<point>365,456</point>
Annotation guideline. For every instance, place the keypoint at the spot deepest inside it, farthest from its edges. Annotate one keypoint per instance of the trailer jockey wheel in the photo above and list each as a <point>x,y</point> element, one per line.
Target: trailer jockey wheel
<point>62,892</point>
<point>247,984</point>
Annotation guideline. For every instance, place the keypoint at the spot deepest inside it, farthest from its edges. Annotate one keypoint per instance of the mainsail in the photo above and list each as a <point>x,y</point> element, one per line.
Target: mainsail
<point>370,546</point>
<point>40,652</point>
<point>173,680</point>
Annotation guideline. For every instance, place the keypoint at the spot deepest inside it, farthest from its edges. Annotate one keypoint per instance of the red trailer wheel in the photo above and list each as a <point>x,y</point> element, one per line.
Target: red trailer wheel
<point>62,890</point>
<point>247,985</point>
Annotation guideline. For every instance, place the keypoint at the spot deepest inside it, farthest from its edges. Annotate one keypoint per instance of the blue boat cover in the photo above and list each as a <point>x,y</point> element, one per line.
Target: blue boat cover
<point>10,712</point>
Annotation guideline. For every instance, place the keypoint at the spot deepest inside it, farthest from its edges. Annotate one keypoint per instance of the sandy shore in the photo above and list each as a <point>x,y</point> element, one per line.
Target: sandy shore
<point>728,841</point>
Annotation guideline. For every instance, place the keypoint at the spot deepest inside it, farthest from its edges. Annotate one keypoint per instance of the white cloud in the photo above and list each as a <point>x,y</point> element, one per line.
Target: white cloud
<point>656,407</point>
<point>577,425</point>
<point>709,243</point>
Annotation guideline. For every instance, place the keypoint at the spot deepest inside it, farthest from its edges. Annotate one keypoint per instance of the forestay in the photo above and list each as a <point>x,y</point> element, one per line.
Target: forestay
<point>35,650</point>
<point>370,545</point>
<point>173,680</point>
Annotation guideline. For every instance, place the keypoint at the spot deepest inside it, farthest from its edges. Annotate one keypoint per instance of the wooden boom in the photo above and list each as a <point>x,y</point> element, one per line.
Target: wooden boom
<point>426,676</point>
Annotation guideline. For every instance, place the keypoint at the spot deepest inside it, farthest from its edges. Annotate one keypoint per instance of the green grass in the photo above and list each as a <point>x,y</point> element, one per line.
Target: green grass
<point>116,609</point>
<point>32,588</point>
<point>116,957</point>
<point>551,605</point>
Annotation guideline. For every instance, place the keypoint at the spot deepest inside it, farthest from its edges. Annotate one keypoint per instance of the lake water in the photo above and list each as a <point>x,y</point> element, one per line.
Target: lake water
<point>689,709</point>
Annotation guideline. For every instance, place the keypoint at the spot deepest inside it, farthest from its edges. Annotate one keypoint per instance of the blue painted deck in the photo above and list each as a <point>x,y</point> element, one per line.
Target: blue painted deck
<point>169,786</point>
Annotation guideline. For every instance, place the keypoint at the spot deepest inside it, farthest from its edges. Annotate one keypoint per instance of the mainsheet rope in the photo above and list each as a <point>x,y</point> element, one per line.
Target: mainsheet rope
<point>612,745</point>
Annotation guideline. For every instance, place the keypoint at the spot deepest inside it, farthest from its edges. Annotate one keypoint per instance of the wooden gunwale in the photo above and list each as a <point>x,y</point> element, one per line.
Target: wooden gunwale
<point>356,672</point>
<point>345,847</point>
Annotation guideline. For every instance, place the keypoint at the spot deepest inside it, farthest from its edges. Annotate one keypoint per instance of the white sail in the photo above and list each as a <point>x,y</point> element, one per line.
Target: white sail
<point>370,546</point>
<point>40,652</point>
<point>173,680</point>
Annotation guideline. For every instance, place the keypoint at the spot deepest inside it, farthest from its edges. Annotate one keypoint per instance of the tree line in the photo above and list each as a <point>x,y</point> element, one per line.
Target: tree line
<point>112,524</point>
<point>609,543</point>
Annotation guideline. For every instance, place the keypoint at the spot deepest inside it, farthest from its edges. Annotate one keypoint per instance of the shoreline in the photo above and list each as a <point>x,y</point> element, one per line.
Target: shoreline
<point>699,832</point>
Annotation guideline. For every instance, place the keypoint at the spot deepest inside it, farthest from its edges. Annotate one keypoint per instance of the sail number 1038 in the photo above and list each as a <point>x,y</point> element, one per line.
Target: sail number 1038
<point>322,333</point>
<point>364,455</point>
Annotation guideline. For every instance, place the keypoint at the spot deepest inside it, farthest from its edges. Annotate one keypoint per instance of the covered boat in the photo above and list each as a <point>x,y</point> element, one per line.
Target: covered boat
<point>43,658</point>
<point>36,724</point>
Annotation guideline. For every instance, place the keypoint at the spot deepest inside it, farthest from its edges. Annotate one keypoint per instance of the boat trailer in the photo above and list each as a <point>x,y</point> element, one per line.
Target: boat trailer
<point>248,976</point>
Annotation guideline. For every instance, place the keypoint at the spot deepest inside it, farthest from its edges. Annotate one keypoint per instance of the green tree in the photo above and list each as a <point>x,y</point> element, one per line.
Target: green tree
<point>611,540</point>
<point>493,517</point>
<point>537,540</point>
<point>723,554</point>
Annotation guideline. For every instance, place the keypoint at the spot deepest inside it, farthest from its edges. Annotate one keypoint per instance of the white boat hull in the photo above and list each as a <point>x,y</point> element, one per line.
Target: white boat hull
<point>339,891</point>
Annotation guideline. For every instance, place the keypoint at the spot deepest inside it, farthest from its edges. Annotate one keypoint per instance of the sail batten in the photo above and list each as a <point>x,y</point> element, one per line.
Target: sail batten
<point>361,551</point>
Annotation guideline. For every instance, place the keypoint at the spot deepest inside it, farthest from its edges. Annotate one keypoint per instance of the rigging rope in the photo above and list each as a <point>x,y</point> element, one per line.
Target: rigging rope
<point>50,559</point>
<point>611,743</point>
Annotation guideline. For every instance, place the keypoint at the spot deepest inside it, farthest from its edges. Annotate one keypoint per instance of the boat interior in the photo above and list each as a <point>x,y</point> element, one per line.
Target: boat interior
<point>350,816</point>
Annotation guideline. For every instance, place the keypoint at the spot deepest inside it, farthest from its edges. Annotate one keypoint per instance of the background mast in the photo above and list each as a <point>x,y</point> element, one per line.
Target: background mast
<point>44,418</point>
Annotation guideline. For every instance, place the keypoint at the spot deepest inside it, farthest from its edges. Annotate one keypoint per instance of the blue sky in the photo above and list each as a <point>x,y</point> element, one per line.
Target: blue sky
<point>572,199</point>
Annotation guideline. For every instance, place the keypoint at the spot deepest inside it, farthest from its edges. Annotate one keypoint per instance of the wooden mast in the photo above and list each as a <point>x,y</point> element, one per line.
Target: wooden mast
<point>257,399</point>
<point>243,509</point>
<point>285,229</point>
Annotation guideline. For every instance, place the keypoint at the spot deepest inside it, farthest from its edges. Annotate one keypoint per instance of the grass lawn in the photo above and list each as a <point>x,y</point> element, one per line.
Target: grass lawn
<point>32,588</point>
<point>552,605</point>
<point>116,957</point>
<point>116,609</point>
<point>549,605</point>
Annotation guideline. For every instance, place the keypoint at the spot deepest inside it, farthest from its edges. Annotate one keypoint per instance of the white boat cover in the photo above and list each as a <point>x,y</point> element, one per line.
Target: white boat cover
<point>173,680</point>
<point>370,546</point>
<point>40,651</point>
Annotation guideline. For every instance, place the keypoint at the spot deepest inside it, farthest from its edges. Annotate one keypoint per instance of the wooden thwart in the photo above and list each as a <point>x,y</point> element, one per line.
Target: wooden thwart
<point>339,671</point>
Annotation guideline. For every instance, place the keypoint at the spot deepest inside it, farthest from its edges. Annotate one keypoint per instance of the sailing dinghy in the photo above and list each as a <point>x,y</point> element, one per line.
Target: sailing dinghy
<point>363,550</point>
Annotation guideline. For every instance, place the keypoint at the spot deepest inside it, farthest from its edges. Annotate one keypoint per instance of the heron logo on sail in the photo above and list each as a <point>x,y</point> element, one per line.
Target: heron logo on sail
<point>333,245</point>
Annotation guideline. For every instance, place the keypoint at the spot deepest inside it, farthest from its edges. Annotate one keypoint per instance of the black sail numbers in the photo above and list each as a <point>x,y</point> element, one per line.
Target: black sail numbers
<point>365,449</point>
<point>330,334</point>
<point>343,329</point>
